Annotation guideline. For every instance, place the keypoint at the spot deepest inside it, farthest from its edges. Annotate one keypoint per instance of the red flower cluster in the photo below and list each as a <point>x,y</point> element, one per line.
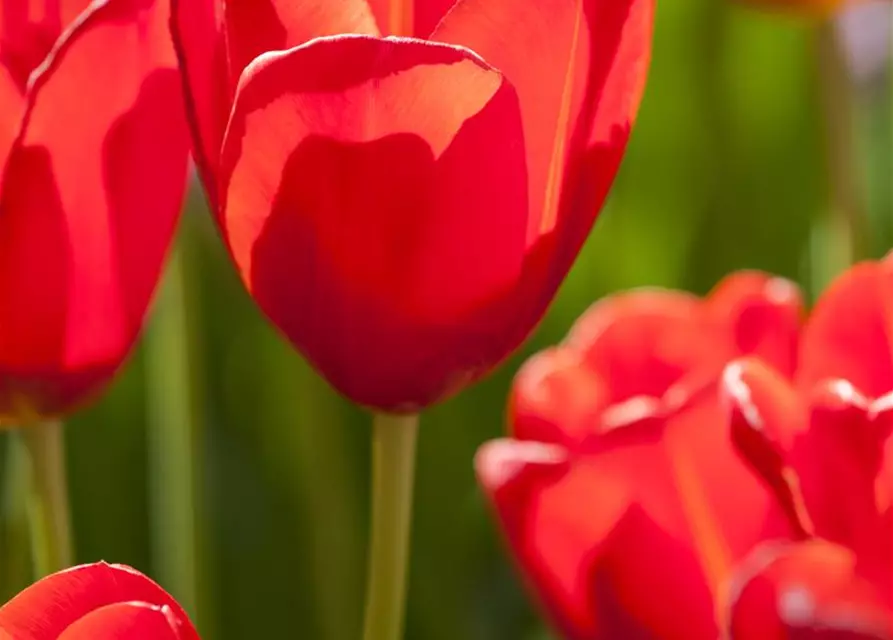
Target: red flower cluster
<point>404,208</point>
<point>682,468</point>
<point>95,602</point>
<point>93,153</point>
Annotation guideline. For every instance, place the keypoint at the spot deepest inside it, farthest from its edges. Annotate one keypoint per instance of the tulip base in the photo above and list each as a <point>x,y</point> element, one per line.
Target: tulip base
<point>393,470</point>
<point>48,496</point>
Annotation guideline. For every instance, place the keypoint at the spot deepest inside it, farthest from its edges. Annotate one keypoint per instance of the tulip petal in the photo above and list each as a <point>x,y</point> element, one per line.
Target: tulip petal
<point>761,315</point>
<point>254,27</point>
<point>393,16</point>
<point>806,590</point>
<point>47,608</point>
<point>765,414</point>
<point>556,398</point>
<point>29,30</point>
<point>579,97</point>
<point>641,342</point>
<point>839,460</point>
<point>125,620</point>
<point>552,522</point>
<point>580,528</point>
<point>848,333</point>
<point>197,31</point>
<point>355,170</point>
<point>91,195</point>
<point>12,108</point>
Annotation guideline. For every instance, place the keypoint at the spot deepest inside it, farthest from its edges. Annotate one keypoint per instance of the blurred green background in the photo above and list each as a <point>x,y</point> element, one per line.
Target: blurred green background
<point>728,168</point>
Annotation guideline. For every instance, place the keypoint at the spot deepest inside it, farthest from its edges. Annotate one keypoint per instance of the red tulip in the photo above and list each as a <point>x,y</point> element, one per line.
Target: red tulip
<point>93,148</point>
<point>621,494</point>
<point>832,436</point>
<point>95,602</point>
<point>404,209</point>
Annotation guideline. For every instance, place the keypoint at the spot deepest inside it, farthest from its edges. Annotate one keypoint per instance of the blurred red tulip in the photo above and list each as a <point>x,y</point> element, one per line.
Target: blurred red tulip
<point>404,209</point>
<point>832,435</point>
<point>93,148</point>
<point>95,602</point>
<point>621,494</point>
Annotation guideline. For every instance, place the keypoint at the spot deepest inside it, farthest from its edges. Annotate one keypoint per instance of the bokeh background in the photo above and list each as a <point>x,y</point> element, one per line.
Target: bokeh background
<point>752,148</point>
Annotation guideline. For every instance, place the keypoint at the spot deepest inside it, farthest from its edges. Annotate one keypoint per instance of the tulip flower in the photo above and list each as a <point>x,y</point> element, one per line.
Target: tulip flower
<point>404,208</point>
<point>93,148</point>
<point>831,431</point>
<point>95,602</point>
<point>620,492</point>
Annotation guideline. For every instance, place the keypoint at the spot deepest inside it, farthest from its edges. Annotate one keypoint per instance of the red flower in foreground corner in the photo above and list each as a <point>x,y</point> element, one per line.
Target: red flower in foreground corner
<point>832,433</point>
<point>95,602</point>
<point>620,493</point>
<point>404,209</point>
<point>93,152</point>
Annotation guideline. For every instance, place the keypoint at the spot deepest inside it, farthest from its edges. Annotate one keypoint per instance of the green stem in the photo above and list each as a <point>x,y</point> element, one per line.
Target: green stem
<point>172,434</point>
<point>849,224</point>
<point>48,500</point>
<point>393,468</point>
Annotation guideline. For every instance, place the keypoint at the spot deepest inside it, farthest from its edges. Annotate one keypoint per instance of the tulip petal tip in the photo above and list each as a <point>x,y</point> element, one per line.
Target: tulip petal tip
<point>737,391</point>
<point>498,462</point>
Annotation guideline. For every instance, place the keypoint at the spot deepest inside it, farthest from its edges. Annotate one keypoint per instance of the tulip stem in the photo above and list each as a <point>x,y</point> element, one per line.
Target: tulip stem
<point>849,219</point>
<point>48,510</point>
<point>393,468</point>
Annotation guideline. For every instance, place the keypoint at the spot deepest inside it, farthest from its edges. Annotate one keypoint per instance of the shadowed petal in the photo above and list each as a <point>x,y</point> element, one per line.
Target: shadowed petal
<point>91,195</point>
<point>354,168</point>
<point>125,620</point>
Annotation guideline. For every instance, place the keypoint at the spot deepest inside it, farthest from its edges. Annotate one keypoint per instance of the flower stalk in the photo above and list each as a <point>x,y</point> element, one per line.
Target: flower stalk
<point>393,468</point>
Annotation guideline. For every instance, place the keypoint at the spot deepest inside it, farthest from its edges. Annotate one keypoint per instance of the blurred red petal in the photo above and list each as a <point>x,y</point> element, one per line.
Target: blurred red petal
<point>375,206</point>
<point>805,591</point>
<point>641,342</point>
<point>409,17</point>
<point>29,30</point>
<point>552,522</point>
<point>125,620</point>
<point>254,27</point>
<point>90,199</point>
<point>579,97</point>
<point>47,608</point>
<point>765,414</point>
<point>556,398</point>
<point>675,490</point>
<point>761,315</point>
<point>848,333</point>
<point>839,461</point>
<point>197,30</point>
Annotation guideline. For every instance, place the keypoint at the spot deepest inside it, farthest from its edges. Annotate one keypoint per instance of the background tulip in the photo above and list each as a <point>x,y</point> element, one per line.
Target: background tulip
<point>832,434</point>
<point>621,482</point>
<point>95,602</point>
<point>404,210</point>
